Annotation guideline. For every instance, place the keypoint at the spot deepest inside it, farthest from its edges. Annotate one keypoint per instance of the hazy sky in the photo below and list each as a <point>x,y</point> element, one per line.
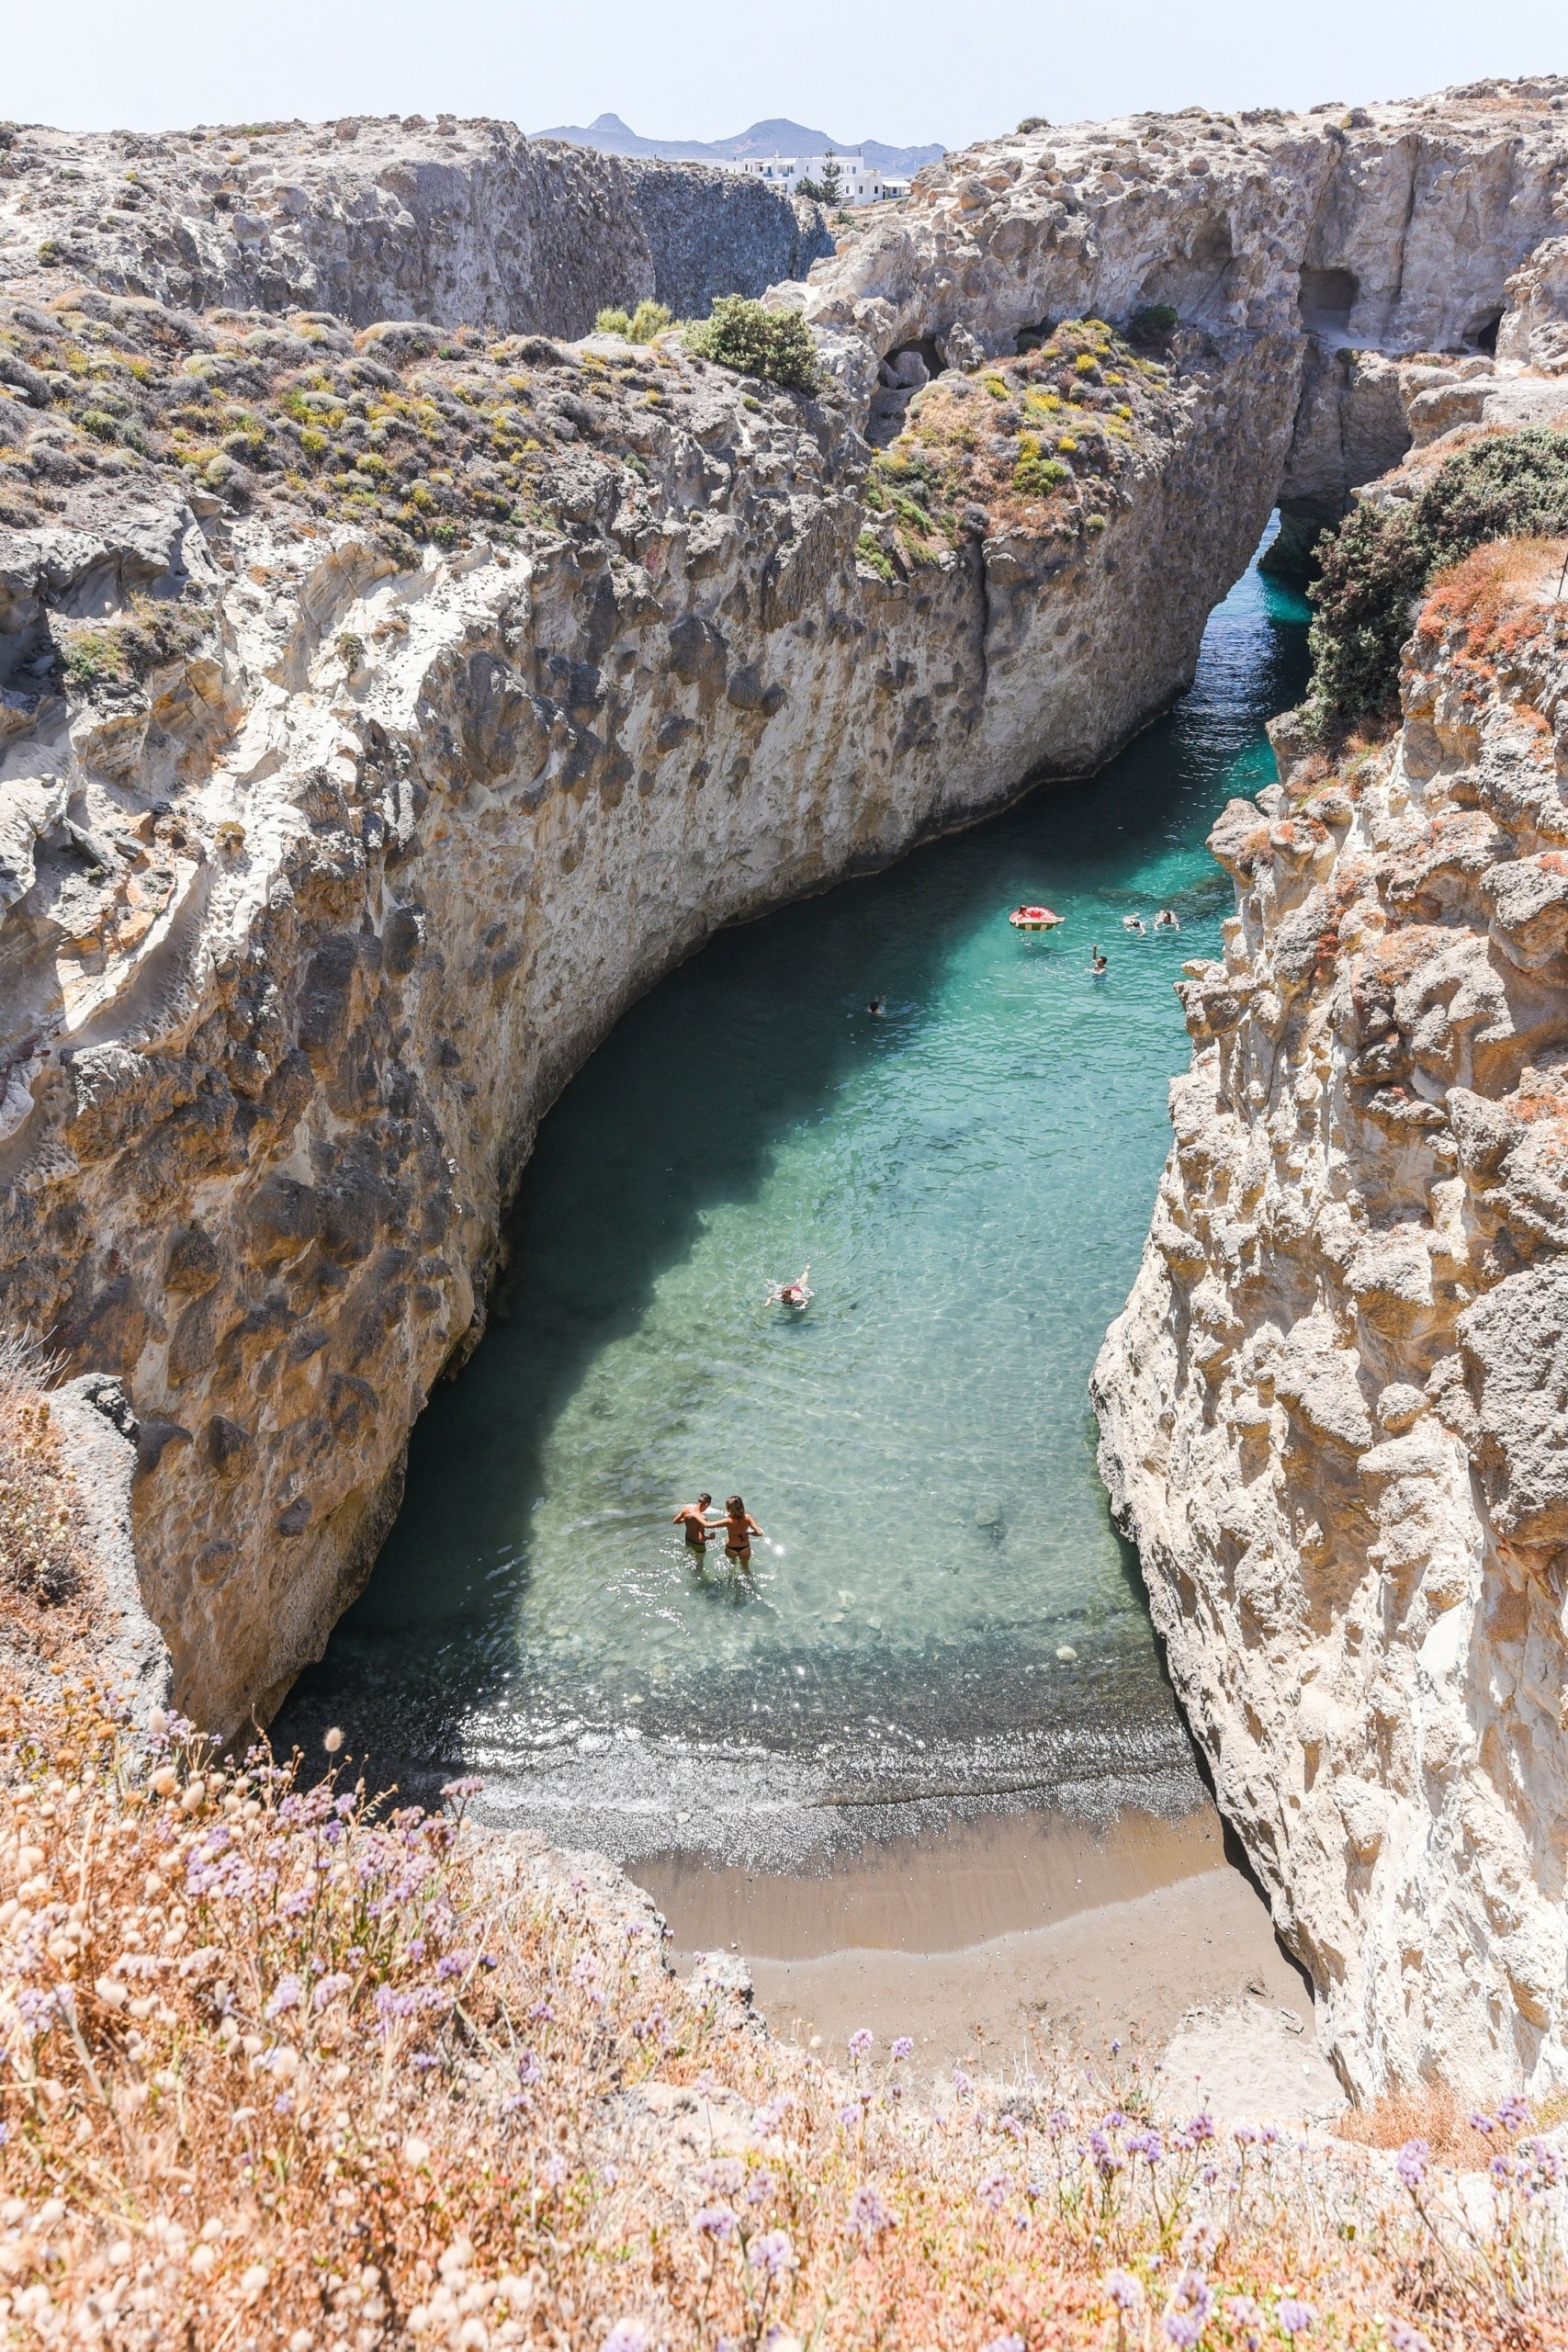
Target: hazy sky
<point>901,69</point>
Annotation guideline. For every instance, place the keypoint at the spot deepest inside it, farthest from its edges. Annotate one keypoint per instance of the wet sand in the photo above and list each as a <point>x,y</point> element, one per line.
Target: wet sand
<point>996,1941</point>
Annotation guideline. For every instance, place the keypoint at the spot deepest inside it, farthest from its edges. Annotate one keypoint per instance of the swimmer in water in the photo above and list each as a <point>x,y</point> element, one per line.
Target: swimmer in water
<point>794,1294</point>
<point>738,1529</point>
<point>1134,922</point>
<point>1097,966</point>
<point>700,1529</point>
<point>1166,921</point>
<point>876,1005</point>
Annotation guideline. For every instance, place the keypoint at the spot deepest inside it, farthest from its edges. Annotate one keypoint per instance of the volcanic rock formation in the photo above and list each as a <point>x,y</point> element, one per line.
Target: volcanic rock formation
<point>385,704</point>
<point>449,221</point>
<point>1332,1412</point>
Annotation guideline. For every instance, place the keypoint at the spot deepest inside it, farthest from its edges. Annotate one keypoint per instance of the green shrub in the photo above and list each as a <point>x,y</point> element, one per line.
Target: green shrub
<point>99,423</point>
<point>614,321</point>
<point>870,549</point>
<point>741,335</point>
<point>1035,475</point>
<point>1032,122</point>
<point>1153,321</point>
<point>649,319</point>
<point>1380,560</point>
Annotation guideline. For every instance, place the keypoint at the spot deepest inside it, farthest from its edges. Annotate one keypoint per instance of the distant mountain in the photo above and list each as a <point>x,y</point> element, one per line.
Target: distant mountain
<point>775,137</point>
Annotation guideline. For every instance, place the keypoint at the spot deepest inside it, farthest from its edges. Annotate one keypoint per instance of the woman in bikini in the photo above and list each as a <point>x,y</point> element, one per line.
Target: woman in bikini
<point>738,1529</point>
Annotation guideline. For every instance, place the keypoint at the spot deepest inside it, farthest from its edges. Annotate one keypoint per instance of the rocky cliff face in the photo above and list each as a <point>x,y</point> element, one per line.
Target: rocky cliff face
<point>368,220</point>
<point>1332,1413</point>
<point>1384,232</point>
<point>382,710</point>
<point>330,855</point>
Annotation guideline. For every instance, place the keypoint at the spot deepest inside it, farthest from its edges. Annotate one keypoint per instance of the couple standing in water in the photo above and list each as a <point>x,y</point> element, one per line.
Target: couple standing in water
<point>737,1525</point>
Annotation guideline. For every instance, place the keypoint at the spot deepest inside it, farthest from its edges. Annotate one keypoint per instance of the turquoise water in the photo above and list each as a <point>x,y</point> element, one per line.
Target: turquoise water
<point>969,1176</point>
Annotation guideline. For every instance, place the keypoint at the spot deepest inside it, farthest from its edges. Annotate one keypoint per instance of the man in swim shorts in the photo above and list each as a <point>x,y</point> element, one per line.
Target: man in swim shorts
<point>700,1529</point>
<point>738,1529</point>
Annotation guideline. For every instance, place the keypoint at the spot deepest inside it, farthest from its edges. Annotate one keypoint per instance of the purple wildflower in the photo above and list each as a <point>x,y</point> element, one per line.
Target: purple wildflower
<point>450,1964</point>
<point>1411,2164</point>
<point>904,2047</point>
<point>627,2336</point>
<point>1125,2292</point>
<point>960,2083</point>
<point>1147,2145</point>
<point>285,1997</point>
<point>993,2190</point>
<point>468,1787</point>
<point>861,2041</point>
<point>1294,2316</point>
<point>850,2116</point>
<point>1189,2308</point>
<point>529,2070</point>
<point>1514,2112</point>
<point>328,1990</point>
<point>1005,2344</point>
<point>770,2254</point>
<point>1405,2339</point>
<point>716,2222</point>
<point>1479,2122</point>
<point>554,2169</point>
<point>1107,2163</point>
<point>1247,2318</point>
<point>868,2213</point>
<point>759,2187</point>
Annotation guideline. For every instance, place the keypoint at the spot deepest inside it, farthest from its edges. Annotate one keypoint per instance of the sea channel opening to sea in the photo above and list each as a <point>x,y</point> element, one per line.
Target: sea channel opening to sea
<point>970,1177</point>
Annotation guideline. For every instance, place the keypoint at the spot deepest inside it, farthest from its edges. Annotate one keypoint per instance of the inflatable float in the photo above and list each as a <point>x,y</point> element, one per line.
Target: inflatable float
<point>1035,919</point>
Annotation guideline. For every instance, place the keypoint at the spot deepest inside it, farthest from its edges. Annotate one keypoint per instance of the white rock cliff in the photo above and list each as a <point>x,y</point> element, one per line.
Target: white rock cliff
<point>1333,1411</point>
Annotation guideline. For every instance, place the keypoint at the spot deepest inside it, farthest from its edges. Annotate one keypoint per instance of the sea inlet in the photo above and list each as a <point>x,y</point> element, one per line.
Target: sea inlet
<point>942,1625</point>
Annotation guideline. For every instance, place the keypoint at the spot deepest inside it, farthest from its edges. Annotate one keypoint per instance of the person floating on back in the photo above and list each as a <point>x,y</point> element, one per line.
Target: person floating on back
<point>795,1293</point>
<point>738,1529</point>
<point>700,1529</point>
<point>1134,922</point>
<point>1166,921</point>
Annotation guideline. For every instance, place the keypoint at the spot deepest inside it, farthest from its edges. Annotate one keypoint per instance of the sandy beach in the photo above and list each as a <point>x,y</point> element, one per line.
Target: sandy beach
<point>1000,1941</point>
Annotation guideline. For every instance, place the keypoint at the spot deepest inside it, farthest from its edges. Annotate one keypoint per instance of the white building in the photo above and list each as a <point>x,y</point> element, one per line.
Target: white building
<point>859,181</point>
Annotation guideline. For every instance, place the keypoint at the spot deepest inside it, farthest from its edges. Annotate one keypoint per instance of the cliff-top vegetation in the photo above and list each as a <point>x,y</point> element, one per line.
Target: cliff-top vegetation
<point>1381,559</point>
<point>1044,442</point>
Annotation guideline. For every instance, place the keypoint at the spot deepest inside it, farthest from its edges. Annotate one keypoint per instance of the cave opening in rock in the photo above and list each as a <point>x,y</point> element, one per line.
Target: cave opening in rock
<point>1327,298</point>
<point>1481,335</point>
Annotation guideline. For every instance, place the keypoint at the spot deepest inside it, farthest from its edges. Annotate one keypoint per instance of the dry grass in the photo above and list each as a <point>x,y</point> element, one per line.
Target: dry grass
<point>1496,601</point>
<point>285,2067</point>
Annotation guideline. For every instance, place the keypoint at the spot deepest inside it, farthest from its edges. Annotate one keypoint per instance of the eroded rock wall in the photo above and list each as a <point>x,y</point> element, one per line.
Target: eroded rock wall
<point>372,219</point>
<point>1332,1412</point>
<point>315,906</point>
<point>381,712</point>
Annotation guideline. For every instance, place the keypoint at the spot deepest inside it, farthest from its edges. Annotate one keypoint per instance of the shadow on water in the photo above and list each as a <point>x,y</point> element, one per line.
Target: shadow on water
<point>677,1126</point>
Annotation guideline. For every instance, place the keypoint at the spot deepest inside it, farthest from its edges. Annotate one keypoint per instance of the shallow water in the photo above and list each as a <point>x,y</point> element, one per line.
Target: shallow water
<point>970,1177</point>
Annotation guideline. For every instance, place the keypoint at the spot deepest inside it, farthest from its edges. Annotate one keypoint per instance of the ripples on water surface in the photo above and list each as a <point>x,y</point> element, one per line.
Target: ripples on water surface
<point>970,1177</point>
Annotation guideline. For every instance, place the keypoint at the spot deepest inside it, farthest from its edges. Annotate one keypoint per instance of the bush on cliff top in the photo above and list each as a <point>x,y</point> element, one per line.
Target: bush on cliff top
<point>741,335</point>
<point>641,325</point>
<point>1510,486</point>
